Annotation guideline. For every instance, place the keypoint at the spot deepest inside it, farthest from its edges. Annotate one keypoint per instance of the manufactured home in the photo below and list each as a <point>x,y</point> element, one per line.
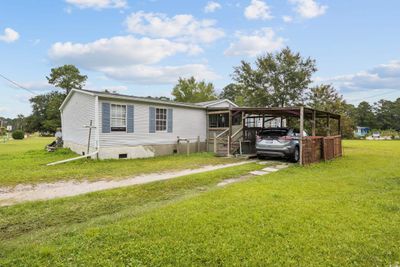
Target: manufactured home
<point>109,125</point>
<point>122,126</point>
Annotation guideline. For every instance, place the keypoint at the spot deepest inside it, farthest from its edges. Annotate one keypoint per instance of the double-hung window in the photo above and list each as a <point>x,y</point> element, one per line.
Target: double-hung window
<point>161,119</point>
<point>118,118</point>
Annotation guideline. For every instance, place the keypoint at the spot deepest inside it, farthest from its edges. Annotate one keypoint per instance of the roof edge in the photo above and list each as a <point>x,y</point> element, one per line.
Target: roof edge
<point>70,95</point>
<point>131,98</point>
<point>217,101</point>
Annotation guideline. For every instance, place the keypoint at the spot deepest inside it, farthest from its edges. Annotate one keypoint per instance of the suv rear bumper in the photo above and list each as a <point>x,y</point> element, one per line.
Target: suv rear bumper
<point>284,152</point>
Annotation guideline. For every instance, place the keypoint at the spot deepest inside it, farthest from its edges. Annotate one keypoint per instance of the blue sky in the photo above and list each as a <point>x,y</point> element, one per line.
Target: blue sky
<point>142,47</point>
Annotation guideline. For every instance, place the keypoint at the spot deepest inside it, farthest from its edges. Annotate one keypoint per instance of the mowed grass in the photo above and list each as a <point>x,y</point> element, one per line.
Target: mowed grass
<point>340,213</point>
<point>24,161</point>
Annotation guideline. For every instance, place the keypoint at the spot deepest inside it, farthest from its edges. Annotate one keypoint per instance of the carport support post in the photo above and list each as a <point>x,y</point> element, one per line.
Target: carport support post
<point>314,122</point>
<point>328,125</point>
<point>215,142</point>
<point>263,121</point>
<point>230,133</point>
<point>301,135</point>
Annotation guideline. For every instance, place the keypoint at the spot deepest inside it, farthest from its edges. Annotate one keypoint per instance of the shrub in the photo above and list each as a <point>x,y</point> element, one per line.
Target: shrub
<point>18,135</point>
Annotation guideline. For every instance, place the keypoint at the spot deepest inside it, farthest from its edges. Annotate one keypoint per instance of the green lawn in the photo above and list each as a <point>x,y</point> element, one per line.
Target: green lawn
<point>24,161</point>
<point>340,213</point>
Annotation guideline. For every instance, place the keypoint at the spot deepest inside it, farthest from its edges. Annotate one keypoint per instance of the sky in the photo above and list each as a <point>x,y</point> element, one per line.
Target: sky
<point>142,47</point>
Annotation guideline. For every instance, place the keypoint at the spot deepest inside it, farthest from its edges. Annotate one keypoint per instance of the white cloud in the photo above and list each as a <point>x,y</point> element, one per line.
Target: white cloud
<point>211,7</point>
<point>382,78</point>
<point>117,51</point>
<point>143,74</point>
<point>180,27</point>
<point>255,44</point>
<point>36,86</point>
<point>35,42</point>
<point>98,4</point>
<point>309,8</point>
<point>258,10</point>
<point>287,19</point>
<point>130,59</point>
<point>9,35</point>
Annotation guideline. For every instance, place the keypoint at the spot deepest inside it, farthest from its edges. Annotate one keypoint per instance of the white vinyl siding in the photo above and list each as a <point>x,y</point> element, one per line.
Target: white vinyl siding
<point>77,114</point>
<point>187,123</point>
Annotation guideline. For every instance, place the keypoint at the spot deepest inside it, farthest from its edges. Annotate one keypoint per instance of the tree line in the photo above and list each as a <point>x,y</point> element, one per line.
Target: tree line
<point>276,79</point>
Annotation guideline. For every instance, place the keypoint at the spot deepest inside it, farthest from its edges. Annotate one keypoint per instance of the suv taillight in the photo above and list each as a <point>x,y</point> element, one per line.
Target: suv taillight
<point>285,138</point>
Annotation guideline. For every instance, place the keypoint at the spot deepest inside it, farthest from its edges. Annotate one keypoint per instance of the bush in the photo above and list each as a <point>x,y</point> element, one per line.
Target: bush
<point>18,135</point>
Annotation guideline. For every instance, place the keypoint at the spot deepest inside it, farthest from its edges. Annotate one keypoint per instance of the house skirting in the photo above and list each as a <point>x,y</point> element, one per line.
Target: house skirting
<point>140,151</point>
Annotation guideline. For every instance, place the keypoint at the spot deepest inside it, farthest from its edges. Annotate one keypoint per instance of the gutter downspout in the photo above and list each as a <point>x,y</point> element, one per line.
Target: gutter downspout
<point>96,123</point>
<point>72,159</point>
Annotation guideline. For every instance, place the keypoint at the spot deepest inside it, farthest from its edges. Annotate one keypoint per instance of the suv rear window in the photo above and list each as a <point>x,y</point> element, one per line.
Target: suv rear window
<point>274,133</point>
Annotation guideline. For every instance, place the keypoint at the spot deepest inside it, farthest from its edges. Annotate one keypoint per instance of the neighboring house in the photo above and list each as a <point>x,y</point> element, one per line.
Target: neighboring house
<point>132,127</point>
<point>361,131</point>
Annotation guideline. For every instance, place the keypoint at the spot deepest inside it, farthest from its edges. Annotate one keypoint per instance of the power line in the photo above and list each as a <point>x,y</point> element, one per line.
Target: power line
<point>387,93</point>
<point>17,85</point>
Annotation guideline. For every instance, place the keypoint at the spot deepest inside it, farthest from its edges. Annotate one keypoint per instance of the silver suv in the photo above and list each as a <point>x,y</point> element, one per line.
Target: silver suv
<point>278,142</point>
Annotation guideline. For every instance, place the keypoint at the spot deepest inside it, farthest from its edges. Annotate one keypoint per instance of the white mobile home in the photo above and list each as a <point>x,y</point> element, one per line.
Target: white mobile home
<point>132,127</point>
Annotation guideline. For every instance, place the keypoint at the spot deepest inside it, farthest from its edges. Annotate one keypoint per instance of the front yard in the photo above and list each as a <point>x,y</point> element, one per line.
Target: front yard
<point>24,161</point>
<point>340,213</point>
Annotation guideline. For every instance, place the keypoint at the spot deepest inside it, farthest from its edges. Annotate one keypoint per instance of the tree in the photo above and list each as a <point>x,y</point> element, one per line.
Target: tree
<point>234,93</point>
<point>45,112</point>
<point>364,115</point>
<point>326,98</point>
<point>278,79</point>
<point>20,122</point>
<point>67,77</point>
<point>189,90</point>
<point>387,114</point>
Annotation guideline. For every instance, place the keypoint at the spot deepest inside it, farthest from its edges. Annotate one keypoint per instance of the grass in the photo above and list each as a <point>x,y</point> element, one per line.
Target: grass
<point>24,161</point>
<point>340,213</point>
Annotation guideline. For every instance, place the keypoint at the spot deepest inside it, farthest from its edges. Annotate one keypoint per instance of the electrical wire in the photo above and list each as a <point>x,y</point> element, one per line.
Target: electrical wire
<point>17,85</point>
<point>387,93</point>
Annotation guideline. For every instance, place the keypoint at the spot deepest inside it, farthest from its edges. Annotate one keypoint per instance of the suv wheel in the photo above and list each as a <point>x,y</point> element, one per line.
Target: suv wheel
<point>296,154</point>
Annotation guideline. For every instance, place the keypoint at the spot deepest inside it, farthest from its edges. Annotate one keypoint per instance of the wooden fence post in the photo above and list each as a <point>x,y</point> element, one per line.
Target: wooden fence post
<point>215,142</point>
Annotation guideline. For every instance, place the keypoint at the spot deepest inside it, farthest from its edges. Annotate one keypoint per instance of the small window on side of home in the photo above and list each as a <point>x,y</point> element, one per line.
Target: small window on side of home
<point>118,118</point>
<point>161,120</point>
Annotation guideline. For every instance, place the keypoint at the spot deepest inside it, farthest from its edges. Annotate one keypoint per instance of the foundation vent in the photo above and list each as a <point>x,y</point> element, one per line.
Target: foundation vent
<point>123,156</point>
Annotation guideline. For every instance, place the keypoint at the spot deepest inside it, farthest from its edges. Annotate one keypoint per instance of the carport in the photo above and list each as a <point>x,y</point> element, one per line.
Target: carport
<point>233,131</point>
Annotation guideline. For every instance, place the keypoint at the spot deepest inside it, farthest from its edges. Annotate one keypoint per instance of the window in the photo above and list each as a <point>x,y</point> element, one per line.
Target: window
<point>161,119</point>
<point>118,118</point>
<point>218,120</point>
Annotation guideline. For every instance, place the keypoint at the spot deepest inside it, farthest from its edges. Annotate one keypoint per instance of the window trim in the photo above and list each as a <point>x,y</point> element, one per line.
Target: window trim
<point>126,118</point>
<point>166,120</point>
